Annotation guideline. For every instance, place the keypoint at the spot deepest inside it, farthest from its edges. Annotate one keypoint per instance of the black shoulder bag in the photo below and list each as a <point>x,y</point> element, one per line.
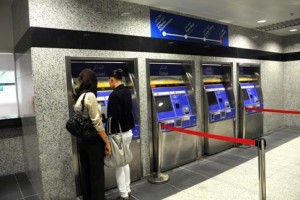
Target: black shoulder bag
<point>80,126</point>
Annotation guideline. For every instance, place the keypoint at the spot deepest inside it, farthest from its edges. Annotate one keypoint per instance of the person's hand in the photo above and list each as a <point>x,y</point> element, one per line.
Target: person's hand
<point>107,149</point>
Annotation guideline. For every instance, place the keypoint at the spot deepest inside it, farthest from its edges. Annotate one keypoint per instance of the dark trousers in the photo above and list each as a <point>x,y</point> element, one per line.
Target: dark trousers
<point>91,155</point>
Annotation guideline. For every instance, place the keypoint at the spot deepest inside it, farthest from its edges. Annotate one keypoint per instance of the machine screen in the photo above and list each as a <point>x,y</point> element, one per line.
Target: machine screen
<point>245,94</point>
<point>163,104</point>
<point>212,100</point>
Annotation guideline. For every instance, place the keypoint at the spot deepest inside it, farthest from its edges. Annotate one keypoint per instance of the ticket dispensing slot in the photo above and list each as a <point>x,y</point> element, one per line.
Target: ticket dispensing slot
<point>219,105</point>
<point>172,105</point>
<point>102,69</point>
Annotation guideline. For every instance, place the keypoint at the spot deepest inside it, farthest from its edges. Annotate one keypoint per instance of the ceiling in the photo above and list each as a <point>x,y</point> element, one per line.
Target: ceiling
<point>244,13</point>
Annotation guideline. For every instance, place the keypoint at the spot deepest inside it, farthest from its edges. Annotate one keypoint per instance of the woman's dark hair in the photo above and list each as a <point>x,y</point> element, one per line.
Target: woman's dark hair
<point>88,82</point>
<point>117,74</point>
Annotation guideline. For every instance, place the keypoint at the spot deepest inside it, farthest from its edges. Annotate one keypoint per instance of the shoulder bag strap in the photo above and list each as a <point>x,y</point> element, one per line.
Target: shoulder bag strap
<point>108,124</point>
<point>82,103</point>
<point>120,128</point>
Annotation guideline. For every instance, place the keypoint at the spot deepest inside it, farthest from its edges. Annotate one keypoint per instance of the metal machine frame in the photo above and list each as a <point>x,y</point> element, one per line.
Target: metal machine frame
<point>135,166</point>
<point>171,141</point>
<point>249,126</point>
<point>224,127</point>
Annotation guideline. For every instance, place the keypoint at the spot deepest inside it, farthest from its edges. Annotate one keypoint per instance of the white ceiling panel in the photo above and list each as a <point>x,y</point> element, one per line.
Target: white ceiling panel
<point>244,13</point>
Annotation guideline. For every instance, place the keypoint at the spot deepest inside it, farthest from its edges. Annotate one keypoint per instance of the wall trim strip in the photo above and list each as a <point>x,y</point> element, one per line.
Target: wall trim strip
<point>72,39</point>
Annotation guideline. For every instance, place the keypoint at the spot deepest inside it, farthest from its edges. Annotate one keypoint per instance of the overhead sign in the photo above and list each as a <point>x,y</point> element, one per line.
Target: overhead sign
<point>176,27</point>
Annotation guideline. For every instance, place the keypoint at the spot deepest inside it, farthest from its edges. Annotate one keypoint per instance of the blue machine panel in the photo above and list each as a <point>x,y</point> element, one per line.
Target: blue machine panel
<point>250,96</point>
<point>173,106</point>
<point>219,107</point>
<point>102,98</point>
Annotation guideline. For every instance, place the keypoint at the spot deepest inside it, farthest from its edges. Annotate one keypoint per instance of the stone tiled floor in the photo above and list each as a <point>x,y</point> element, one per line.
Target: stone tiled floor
<point>230,175</point>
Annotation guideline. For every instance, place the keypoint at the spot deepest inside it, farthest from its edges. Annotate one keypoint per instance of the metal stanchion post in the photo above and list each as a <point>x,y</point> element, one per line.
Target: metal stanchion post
<point>158,177</point>
<point>261,144</point>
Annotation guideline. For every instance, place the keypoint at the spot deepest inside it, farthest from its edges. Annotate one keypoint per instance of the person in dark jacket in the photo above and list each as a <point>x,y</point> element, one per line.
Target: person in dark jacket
<point>120,111</point>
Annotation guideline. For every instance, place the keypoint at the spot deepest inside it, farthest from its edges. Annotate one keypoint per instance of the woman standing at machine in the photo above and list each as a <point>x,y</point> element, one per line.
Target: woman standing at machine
<point>91,152</point>
<point>120,111</point>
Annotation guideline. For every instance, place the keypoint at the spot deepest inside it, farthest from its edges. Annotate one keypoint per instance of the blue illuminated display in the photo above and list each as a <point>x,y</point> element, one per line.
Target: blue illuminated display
<point>251,97</point>
<point>181,113</point>
<point>219,107</point>
<point>175,27</point>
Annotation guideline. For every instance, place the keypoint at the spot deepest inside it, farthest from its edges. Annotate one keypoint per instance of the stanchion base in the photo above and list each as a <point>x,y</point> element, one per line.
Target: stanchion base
<point>159,179</point>
<point>243,146</point>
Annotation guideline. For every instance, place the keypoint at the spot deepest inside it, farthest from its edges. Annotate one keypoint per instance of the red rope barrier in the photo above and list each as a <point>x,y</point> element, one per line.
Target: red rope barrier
<point>274,110</point>
<point>212,136</point>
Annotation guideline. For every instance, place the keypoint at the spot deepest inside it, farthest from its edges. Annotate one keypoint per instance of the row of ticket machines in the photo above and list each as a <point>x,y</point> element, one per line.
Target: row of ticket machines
<point>171,88</point>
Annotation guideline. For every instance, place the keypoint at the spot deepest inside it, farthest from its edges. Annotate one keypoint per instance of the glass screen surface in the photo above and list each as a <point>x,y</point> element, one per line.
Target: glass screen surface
<point>163,104</point>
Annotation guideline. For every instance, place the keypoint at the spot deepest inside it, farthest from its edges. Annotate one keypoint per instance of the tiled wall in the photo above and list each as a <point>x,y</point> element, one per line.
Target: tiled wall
<point>114,16</point>
<point>291,92</point>
<point>292,81</point>
<point>11,148</point>
<point>98,16</point>
<point>291,43</point>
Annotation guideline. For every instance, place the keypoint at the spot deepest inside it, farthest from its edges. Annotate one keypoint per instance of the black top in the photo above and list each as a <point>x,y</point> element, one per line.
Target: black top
<point>120,109</point>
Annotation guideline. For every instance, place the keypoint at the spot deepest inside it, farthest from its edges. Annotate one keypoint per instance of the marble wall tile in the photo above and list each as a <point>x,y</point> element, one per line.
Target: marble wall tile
<point>11,156</point>
<point>136,22</point>
<point>291,43</point>
<point>291,92</point>
<point>54,142</point>
<point>109,16</point>
<point>272,87</point>
<point>253,39</point>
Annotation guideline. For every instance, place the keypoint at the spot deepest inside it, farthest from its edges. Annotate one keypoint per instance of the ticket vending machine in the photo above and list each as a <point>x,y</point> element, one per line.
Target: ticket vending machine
<point>173,103</point>
<point>219,105</point>
<point>250,95</point>
<point>102,68</point>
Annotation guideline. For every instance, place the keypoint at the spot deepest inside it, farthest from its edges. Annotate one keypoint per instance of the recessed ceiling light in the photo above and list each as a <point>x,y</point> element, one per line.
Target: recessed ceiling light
<point>293,30</point>
<point>262,21</point>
